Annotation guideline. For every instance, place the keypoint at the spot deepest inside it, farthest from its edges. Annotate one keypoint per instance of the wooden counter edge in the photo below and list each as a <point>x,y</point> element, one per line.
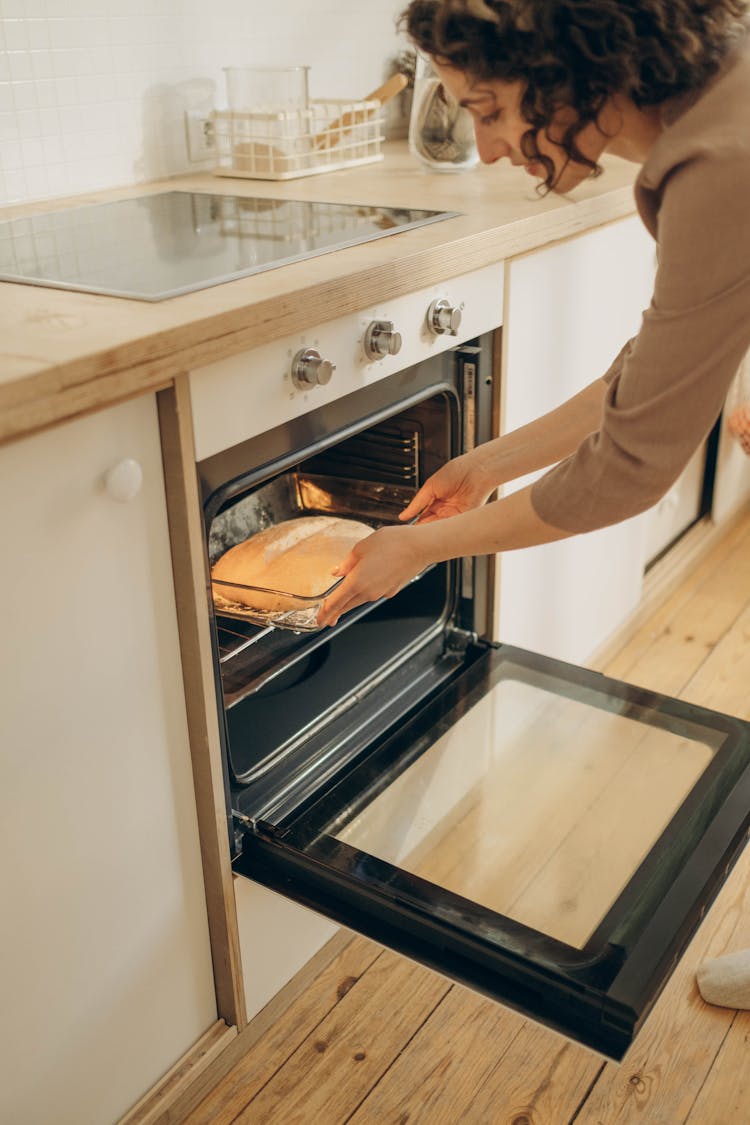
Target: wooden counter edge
<point>36,401</point>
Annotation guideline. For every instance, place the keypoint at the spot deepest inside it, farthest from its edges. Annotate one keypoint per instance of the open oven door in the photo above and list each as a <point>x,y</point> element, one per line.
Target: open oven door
<point>536,831</point>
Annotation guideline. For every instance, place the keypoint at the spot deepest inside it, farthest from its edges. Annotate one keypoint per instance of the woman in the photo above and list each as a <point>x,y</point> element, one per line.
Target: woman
<point>551,86</point>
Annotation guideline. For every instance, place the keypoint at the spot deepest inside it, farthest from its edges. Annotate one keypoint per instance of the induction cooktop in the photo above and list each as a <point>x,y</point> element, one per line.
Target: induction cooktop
<point>157,246</point>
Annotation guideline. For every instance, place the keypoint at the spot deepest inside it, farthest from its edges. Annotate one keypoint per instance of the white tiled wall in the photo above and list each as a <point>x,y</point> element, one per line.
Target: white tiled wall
<point>93,92</point>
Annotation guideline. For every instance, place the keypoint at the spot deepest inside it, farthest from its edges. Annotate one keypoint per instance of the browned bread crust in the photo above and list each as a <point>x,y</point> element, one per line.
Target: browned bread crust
<point>290,560</point>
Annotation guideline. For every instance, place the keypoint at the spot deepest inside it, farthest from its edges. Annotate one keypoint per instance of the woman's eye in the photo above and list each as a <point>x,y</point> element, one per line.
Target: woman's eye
<point>490,118</point>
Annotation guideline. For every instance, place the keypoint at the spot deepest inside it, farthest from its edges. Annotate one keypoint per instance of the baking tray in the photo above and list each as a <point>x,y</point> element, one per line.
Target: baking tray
<point>291,495</point>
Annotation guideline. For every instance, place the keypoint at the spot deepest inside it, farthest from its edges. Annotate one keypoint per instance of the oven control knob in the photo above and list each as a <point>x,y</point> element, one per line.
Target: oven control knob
<point>309,369</point>
<point>381,339</point>
<point>443,318</point>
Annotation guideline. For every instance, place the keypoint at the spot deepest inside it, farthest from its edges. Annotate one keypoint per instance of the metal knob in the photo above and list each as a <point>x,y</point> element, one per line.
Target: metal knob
<point>381,339</point>
<point>309,369</point>
<point>443,318</point>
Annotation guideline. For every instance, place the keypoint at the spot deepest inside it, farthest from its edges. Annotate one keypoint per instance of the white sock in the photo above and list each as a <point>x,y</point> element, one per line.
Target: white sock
<point>726,980</point>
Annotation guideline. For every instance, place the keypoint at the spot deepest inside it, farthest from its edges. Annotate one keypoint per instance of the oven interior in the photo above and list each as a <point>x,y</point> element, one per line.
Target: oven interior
<point>298,704</point>
<point>280,685</point>
<point>282,688</point>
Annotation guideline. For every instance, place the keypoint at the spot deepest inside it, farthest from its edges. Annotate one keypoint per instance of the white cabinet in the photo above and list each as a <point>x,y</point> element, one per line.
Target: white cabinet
<point>570,308</point>
<point>106,976</point>
<point>277,939</point>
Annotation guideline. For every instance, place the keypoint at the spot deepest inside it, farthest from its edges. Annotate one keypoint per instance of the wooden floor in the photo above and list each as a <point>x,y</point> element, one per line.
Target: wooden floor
<point>377,1038</point>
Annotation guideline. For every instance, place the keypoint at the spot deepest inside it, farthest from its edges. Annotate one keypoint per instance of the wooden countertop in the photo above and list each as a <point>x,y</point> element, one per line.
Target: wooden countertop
<point>65,353</point>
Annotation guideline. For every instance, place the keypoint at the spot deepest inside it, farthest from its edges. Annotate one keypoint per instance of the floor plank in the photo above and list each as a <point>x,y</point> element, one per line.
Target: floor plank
<point>664,651</point>
<point>332,1071</point>
<point>378,1039</point>
<point>725,1096</point>
<point>300,1020</point>
<point>450,1074</point>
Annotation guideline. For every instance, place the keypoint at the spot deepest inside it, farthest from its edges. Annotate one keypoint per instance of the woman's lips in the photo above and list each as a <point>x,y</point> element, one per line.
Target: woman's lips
<point>533,169</point>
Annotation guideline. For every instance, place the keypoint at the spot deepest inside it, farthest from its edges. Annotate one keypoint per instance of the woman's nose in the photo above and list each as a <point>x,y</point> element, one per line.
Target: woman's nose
<point>490,148</point>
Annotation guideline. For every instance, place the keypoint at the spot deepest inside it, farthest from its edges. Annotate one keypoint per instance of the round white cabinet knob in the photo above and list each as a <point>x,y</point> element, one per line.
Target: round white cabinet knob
<point>124,480</point>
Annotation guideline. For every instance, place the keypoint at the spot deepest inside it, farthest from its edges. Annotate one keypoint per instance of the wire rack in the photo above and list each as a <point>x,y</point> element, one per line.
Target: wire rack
<point>326,136</point>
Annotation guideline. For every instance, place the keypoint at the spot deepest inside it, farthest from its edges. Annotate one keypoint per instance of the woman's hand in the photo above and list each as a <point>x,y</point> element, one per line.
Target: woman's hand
<point>382,564</point>
<point>458,486</point>
<point>378,567</point>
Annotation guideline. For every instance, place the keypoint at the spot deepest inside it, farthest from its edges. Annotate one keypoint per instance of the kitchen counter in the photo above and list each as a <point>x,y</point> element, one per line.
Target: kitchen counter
<point>66,353</point>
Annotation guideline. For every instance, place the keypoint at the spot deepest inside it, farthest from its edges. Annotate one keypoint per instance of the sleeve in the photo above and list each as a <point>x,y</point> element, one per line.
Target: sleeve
<point>667,387</point>
<point>615,367</point>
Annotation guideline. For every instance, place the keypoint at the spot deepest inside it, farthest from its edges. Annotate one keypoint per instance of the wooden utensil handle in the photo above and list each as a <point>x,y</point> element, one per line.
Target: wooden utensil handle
<point>331,135</point>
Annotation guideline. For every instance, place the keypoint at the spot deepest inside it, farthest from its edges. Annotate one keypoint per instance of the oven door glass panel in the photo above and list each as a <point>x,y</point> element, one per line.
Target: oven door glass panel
<point>539,832</point>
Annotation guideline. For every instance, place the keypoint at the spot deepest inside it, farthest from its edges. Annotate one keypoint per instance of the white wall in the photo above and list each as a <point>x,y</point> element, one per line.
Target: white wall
<point>93,92</point>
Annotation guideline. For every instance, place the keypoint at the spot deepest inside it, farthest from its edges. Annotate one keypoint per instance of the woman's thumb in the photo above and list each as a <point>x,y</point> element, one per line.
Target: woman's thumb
<point>417,504</point>
<point>344,567</point>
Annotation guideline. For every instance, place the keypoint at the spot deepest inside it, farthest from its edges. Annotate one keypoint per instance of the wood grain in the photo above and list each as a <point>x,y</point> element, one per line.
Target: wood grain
<point>258,1066</point>
<point>725,1096</point>
<point>468,1063</point>
<point>356,1043</point>
<point>683,634</point>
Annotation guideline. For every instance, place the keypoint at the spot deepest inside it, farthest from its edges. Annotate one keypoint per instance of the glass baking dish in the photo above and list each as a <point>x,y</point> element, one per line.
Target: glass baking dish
<point>296,494</point>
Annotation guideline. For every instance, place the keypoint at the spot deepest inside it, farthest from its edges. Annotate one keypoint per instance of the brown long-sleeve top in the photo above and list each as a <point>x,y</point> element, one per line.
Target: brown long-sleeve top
<point>667,386</point>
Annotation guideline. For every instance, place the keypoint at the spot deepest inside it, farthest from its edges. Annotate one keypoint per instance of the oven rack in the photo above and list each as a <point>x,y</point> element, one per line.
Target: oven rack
<point>246,670</point>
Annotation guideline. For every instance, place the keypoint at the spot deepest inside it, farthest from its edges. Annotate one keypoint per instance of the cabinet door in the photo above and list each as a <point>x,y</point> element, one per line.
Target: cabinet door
<point>106,975</point>
<point>571,307</point>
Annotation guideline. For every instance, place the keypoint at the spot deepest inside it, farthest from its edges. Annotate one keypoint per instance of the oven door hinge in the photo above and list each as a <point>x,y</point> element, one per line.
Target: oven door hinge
<point>458,640</point>
<point>240,825</point>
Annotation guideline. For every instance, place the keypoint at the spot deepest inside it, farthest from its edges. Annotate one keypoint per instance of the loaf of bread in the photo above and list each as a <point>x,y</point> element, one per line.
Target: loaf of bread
<point>294,557</point>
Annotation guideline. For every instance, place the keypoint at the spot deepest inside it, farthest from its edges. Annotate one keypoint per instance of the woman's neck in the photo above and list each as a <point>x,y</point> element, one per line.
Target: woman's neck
<point>632,131</point>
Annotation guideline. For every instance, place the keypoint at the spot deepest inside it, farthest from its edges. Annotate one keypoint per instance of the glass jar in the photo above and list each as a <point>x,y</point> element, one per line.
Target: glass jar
<point>441,132</point>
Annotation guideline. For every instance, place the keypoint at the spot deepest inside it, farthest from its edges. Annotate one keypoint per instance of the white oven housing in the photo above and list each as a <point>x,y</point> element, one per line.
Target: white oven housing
<point>240,397</point>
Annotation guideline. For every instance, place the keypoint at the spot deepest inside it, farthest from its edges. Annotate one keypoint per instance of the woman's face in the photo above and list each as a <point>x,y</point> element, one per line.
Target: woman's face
<point>499,127</point>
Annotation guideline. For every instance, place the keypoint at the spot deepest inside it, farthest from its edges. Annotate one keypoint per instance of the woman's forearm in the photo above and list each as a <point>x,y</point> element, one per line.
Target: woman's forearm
<point>382,563</point>
<point>546,440</point>
<point>502,525</point>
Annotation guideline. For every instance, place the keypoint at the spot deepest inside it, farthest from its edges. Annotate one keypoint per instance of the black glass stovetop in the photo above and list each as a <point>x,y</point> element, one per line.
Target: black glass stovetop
<point>162,245</point>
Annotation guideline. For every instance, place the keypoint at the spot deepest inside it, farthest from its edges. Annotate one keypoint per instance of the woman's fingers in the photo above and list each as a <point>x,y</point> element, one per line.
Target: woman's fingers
<point>377,567</point>
<point>344,567</point>
<point>336,604</point>
<point>418,503</point>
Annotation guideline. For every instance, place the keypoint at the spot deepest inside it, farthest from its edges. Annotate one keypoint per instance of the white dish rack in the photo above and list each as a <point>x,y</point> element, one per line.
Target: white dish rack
<point>283,145</point>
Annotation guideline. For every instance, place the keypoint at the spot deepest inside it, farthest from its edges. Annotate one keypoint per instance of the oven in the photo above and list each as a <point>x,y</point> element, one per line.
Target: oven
<point>532,829</point>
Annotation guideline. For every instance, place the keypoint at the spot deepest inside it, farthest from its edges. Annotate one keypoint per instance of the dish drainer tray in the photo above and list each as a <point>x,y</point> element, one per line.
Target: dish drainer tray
<point>323,137</point>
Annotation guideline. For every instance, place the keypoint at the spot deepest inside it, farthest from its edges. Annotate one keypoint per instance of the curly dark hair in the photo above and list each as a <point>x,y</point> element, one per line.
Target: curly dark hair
<point>578,53</point>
